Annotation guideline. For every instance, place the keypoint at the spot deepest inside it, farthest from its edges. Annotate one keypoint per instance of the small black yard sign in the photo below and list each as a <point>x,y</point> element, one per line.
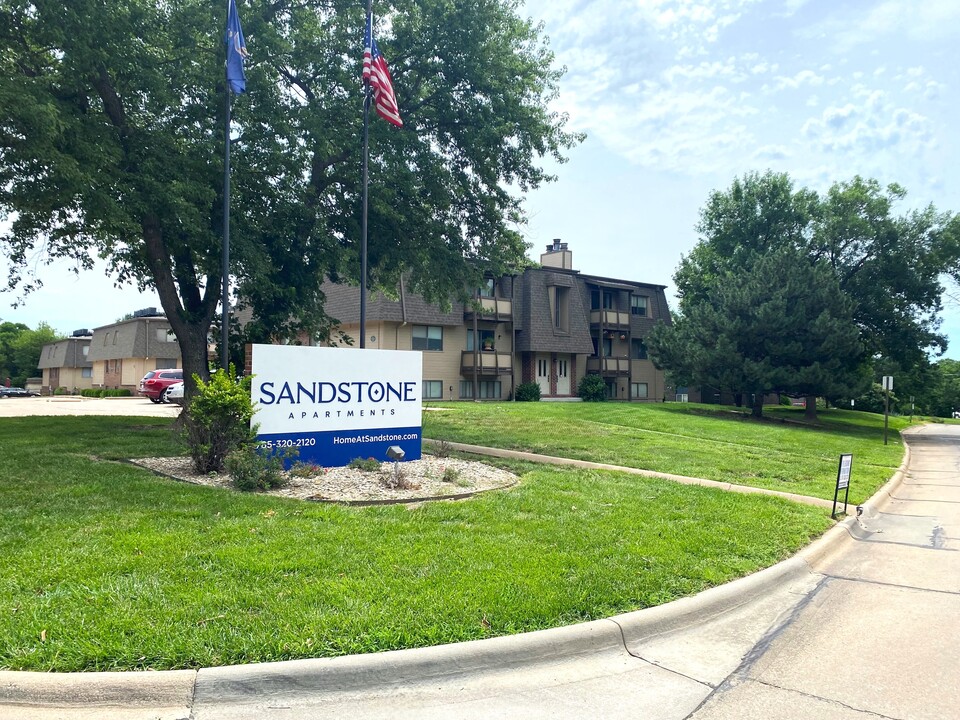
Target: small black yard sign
<point>843,482</point>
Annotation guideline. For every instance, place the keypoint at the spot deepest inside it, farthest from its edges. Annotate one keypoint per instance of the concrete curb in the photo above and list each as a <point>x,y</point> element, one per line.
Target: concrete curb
<point>402,667</point>
<point>883,495</point>
<point>255,682</point>
<point>170,689</point>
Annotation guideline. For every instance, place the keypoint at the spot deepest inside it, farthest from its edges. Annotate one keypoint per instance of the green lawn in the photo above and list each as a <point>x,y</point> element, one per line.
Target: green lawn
<point>706,441</point>
<point>104,565</point>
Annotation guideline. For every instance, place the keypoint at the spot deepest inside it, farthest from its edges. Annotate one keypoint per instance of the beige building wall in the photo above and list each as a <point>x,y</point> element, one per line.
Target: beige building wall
<point>99,369</point>
<point>644,371</point>
<point>133,369</point>
<point>70,378</point>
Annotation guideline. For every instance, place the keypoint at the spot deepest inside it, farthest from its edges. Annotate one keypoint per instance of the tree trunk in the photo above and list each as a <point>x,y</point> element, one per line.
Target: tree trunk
<point>193,353</point>
<point>757,405</point>
<point>810,408</point>
<point>188,309</point>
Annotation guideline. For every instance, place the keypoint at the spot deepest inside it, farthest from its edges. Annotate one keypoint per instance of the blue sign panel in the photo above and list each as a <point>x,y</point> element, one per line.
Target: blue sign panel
<point>338,447</point>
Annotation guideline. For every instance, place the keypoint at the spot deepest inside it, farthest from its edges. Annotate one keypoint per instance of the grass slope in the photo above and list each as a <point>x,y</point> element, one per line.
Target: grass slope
<point>106,566</point>
<point>707,441</point>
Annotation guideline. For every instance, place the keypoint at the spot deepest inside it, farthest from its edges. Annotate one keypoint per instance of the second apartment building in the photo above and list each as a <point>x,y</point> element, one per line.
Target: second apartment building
<point>550,325</point>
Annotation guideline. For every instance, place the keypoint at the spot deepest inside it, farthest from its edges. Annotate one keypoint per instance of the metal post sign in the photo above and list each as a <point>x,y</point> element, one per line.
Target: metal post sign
<point>843,482</point>
<point>337,404</point>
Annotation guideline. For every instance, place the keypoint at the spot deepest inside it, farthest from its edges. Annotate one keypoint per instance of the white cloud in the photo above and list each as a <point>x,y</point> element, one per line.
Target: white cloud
<point>792,6</point>
<point>851,26</point>
<point>803,77</point>
<point>768,153</point>
<point>874,126</point>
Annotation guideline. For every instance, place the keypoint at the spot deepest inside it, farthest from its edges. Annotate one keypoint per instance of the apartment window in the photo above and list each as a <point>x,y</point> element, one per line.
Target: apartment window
<point>115,334</point>
<point>86,372</point>
<point>486,389</point>
<point>559,298</point>
<point>638,305</point>
<point>683,397</point>
<point>427,337</point>
<point>600,298</point>
<point>488,339</point>
<point>639,349</point>
<point>543,368</point>
<point>638,390</point>
<point>86,350</point>
<point>432,390</point>
<point>163,363</point>
<point>487,288</point>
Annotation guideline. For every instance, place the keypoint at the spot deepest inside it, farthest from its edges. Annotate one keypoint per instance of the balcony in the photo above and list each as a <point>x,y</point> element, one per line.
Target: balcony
<point>490,363</point>
<point>610,319</point>
<point>608,366</point>
<point>495,309</point>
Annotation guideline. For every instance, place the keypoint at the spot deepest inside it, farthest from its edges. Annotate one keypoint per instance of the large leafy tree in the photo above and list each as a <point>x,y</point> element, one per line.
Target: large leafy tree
<point>757,214</point>
<point>20,349</point>
<point>890,265</point>
<point>111,143</point>
<point>885,272</point>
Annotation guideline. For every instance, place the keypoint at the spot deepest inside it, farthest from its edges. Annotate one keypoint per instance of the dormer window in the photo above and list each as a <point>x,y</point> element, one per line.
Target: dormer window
<point>561,308</point>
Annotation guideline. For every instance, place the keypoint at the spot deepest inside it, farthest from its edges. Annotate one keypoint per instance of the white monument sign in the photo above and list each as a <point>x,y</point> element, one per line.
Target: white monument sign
<point>337,404</point>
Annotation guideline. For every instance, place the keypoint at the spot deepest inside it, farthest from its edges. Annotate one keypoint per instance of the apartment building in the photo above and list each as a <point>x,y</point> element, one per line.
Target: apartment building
<point>550,325</point>
<point>123,352</point>
<point>65,364</point>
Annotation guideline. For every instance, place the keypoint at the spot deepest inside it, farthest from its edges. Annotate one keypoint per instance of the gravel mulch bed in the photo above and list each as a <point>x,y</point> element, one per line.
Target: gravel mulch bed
<point>424,480</point>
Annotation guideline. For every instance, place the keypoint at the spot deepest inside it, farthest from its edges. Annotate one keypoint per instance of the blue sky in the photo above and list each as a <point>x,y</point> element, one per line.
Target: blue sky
<point>678,97</point>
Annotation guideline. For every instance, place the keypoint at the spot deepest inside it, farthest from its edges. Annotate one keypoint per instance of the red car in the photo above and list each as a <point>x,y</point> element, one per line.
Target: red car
<point>155,382</point>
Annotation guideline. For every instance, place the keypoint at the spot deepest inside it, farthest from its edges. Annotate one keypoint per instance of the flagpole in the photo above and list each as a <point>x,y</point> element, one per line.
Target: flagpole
<point>363,221</point>
<point>225,268</point>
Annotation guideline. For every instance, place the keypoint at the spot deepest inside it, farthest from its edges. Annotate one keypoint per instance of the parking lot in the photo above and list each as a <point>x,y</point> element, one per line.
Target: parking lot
<point>69,405</point>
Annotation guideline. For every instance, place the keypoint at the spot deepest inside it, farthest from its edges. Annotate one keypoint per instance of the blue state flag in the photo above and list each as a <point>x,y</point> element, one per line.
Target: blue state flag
<point>236,50</point>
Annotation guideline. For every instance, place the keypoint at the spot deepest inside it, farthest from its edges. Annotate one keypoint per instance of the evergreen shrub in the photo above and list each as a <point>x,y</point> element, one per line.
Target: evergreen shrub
<point>592,389</point>
<point>528,392</point>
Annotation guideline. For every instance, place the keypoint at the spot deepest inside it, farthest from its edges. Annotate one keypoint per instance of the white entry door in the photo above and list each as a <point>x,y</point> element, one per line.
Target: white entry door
<point>563,375</point>
<point>543,373</point>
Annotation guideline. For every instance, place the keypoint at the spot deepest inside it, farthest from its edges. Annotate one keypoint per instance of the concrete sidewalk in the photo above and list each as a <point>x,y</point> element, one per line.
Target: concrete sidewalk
<point>877,636</point>
<point>858,625</point>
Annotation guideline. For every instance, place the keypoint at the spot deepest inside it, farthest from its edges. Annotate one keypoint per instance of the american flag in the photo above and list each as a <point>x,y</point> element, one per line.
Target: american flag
<point>375,72</point>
